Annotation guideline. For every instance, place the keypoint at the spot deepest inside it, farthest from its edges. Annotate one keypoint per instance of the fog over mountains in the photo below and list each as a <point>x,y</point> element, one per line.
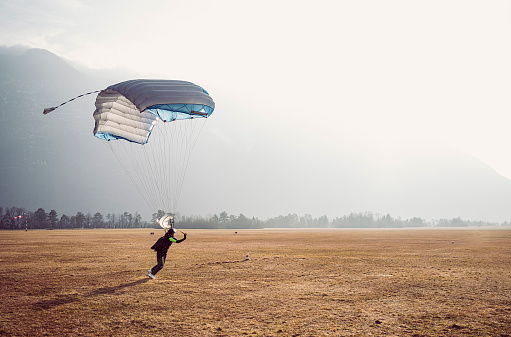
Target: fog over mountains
<point>242,163</point>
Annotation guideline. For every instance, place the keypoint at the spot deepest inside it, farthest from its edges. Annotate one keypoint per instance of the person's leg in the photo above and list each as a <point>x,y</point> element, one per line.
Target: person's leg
<point>161,262</point>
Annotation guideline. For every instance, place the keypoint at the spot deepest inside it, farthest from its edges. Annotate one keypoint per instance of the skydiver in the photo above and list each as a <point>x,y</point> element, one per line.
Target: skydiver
<point>161,247</point>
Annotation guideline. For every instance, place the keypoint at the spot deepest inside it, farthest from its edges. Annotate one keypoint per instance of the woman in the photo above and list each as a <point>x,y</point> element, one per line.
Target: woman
<point>162,246</point>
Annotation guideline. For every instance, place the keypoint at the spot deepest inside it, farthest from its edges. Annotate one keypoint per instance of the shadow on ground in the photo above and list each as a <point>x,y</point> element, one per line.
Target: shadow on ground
<point>65,299</point>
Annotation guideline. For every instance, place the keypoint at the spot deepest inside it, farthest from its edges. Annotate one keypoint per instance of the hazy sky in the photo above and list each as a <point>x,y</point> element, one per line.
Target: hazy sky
<point>382,77</point>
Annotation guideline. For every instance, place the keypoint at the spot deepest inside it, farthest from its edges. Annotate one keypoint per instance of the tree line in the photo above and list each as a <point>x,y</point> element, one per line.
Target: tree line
<point>40,219</point>
<point>20,218</point>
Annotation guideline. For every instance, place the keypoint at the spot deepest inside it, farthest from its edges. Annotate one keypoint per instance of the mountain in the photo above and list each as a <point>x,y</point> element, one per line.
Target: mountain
<point>448,184</point>
<point>38,65</point>
<point>240,164</point>
<point>52,161</point>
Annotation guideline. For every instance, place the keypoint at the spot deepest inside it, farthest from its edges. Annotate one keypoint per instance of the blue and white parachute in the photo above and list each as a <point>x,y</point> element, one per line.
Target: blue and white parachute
<point>129,110</point>
<point>151,126</point>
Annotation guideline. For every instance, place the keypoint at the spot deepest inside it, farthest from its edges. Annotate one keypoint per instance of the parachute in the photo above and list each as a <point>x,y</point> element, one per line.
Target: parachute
<point>151,127</point>
<point>129,110</point>
<point>166,221</point>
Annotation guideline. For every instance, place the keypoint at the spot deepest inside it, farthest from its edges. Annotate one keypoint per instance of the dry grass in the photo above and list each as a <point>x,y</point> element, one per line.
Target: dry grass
<point>296,283</point>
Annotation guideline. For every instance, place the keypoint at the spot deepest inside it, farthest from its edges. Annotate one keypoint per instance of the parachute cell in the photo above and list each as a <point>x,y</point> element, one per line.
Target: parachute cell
<point>129,110</point>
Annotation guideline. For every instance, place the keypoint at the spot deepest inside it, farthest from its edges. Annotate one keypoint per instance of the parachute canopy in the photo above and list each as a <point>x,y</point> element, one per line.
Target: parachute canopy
<point>168,111</point>
<point>166,221</point>
<point>129,110</point>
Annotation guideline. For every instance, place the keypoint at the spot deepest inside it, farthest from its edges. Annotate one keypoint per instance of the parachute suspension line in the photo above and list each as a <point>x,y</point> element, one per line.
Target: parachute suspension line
<point>158,168</point>
<point>148,174</point>
<point>176,140</point>
<point>179,140</point>
<point>138,162</point>
<point>166,153</point>
<point>140,173</point>
<point>200,131</point>
<point>48,110</point>
<point>172,140</point>
<point>152,183</point>
<point>168,171</point>
<point>121,151</point>
<point>156,161</point>
<point>189,134</point>
<point>193,136</point>
<point>129,174</point>
<point>144,173</point>
<point>167,167</point>
<point>160,157</point>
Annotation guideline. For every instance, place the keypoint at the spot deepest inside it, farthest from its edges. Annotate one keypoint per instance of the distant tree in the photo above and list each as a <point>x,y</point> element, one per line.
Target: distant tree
<point>97,220</point>
<point>80,220</point>
<point>15,211</point>
<point>127,219</point>
<point>457,222</point>
<point>41,219</point>
<point>292,220</point>
<point>138,220</point>
<point>416,222</point>
<point>322,221</point>
<point>306,221</point>
<point>64,221</point>
<point>387,221</point>
<point>256,223</point>
<point>224,217</point>
<point>442,223</point>
<point>7,222</point>
<point>88,221</point>
<point>288,221</point>
<point>72,222</point>
<point>53,218</point>
<point>109,220</point>
<point>242,220</point>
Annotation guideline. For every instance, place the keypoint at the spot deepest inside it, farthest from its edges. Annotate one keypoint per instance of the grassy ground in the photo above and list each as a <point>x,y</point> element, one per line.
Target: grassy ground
<point>296,283</point>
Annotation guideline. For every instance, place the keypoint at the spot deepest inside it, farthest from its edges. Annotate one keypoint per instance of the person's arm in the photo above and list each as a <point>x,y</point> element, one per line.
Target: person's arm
<point>178,241</point>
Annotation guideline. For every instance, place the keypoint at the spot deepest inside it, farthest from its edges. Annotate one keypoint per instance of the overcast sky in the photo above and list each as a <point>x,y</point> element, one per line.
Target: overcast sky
<point>384,77</point>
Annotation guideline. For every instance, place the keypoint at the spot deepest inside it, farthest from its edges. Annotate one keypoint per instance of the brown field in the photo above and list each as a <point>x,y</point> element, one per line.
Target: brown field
<point>296,283</point>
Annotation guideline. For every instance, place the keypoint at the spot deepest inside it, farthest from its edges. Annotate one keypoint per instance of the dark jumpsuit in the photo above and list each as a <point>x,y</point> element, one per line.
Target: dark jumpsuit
<point>161,254</point>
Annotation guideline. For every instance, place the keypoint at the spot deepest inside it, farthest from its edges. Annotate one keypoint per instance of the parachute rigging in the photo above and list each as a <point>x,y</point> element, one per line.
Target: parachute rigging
<point>151,127</point>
